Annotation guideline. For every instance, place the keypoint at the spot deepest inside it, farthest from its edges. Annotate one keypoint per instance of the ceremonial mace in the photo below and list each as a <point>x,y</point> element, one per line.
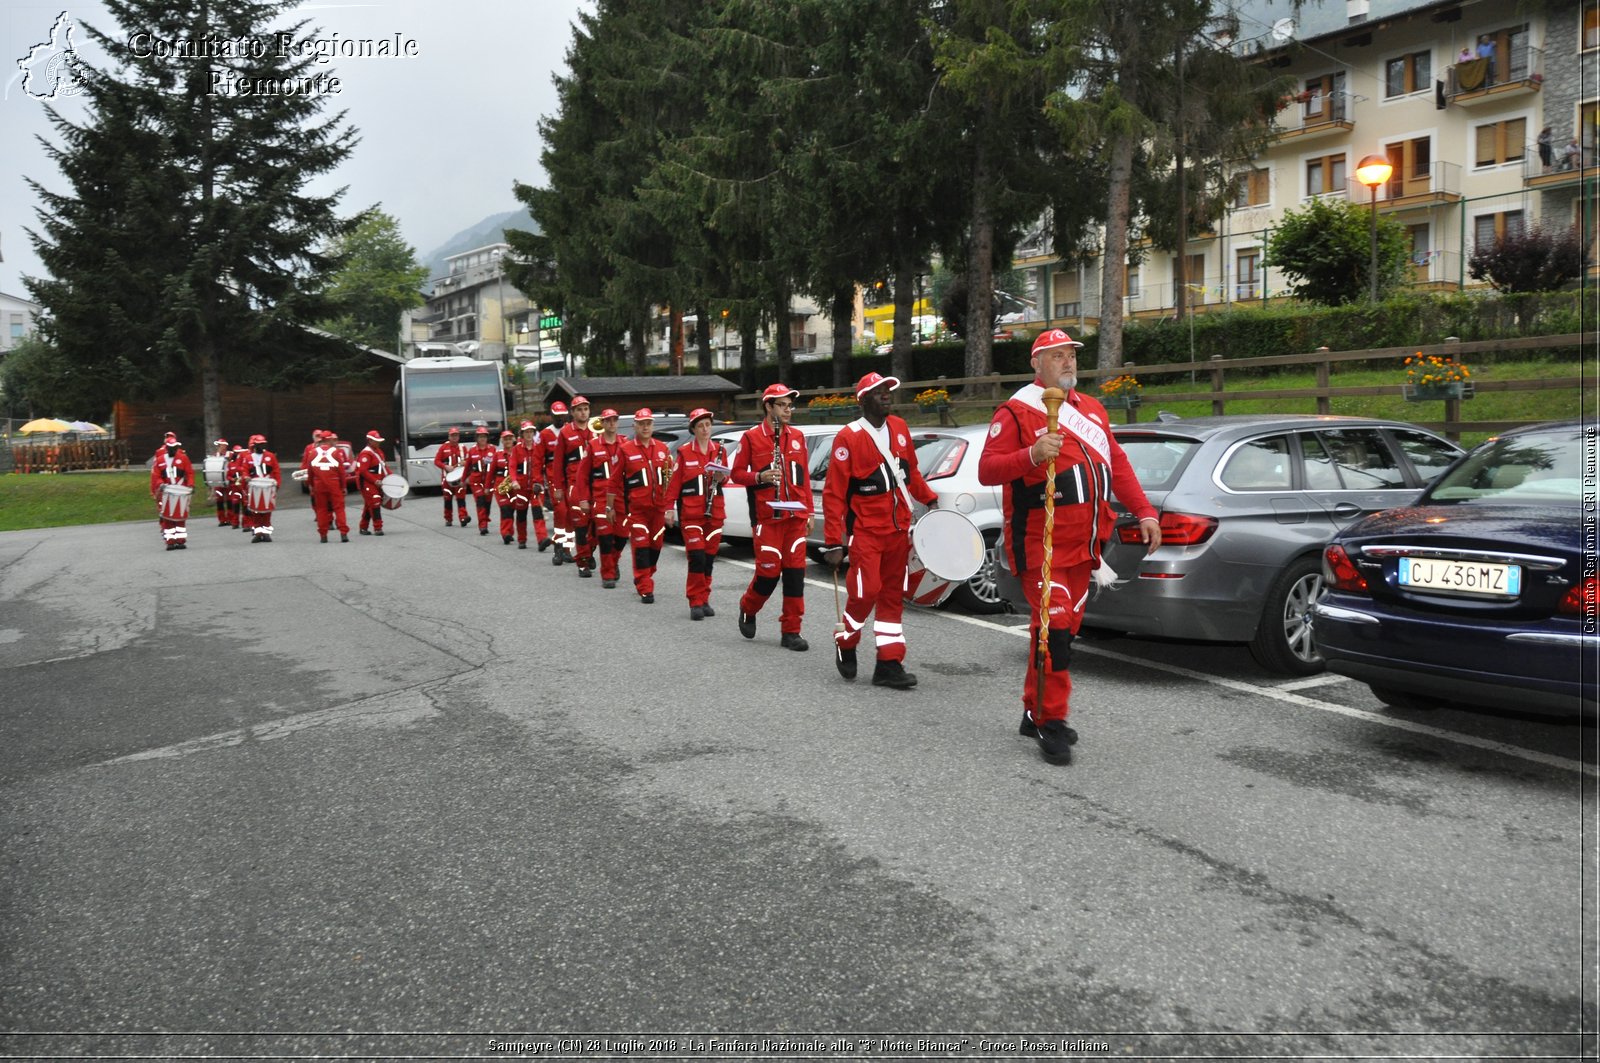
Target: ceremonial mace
<point>1052,398</point>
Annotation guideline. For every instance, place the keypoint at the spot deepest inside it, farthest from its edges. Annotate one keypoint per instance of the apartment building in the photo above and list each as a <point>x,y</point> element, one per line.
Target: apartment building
<point>473,309</point>
<point>1455,94</point>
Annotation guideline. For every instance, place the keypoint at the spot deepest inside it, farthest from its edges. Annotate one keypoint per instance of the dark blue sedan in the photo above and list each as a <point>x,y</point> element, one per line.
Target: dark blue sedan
<point>1478,593</point>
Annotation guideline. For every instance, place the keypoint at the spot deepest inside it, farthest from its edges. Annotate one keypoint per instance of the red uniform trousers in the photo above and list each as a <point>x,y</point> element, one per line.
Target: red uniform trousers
<point>327,501</point>
<point>484,497</point>
<point>702,537</point>
<point>647,529</point>
<point>541,531</point>
<point>584,533</point>
<point>876,585</point>
<point>514,517</point>
<point>1069,592</point>
<point>219,497</point>
<point>609,536</point>
<point>780,554</point>
<point>371,507</point>
<point>455,496</point>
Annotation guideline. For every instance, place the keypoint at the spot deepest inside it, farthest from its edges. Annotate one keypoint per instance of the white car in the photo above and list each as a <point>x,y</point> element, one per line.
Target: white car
<point>736,499</point>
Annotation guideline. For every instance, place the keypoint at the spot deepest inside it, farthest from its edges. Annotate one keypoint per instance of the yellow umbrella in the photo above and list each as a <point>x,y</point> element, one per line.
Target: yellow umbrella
<point>44,424</point>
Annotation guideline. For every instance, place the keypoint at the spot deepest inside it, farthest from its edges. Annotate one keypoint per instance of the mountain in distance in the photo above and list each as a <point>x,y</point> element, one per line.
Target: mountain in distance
<point>490,230</point>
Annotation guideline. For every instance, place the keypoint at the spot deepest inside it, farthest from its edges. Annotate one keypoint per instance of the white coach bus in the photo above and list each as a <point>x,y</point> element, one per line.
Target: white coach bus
<point>435,393</point>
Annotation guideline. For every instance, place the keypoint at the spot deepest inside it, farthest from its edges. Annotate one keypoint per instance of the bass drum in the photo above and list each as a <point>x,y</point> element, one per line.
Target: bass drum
<point>947,549</point>
<point>395,489</point>
<point>216,471</point>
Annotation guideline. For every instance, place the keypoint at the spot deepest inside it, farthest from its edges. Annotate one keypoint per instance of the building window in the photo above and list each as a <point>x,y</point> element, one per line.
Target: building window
<point>17,325</point>
<point>1406,74</point>
<point>1131,281</point>
<point>1500,142</point>
<point>1252,188</point>
<point>1489,229</point>
<point>1413,167</point>
<point>1195,270</point>
<point>1324,98</point>
<point>1247,264</point>
<point>1591,26</point>
<point>1324,175</point>
<point>1421,251</point>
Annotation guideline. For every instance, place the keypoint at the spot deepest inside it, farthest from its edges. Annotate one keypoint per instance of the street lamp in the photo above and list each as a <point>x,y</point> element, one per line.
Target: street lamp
<point>724,339</point>
<point>1374,171</point>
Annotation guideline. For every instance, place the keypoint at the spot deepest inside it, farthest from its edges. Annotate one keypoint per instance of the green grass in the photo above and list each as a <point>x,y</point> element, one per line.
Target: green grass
<point>55,501</point>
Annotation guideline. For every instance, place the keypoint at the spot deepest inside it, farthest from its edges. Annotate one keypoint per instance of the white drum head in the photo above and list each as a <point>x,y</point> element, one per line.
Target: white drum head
<point>948,544</point>
<point>454,475</point>
<point>394,486</point>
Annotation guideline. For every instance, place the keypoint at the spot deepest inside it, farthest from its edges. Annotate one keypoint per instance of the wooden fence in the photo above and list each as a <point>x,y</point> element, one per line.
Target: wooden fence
<point>980,395</point>
<point>70,457</point>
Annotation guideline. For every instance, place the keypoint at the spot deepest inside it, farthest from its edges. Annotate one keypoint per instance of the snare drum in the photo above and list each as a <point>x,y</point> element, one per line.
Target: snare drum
<point>455,480</point>
<point>946,550</point>
<point>261,494</point>
<point>395,489</point>
<point>175,501</point>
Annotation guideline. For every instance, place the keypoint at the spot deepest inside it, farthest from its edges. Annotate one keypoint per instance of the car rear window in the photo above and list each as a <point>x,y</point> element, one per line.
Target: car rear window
<point>940,456</point>
<point>1157,460</point>
<point>1519,469</point>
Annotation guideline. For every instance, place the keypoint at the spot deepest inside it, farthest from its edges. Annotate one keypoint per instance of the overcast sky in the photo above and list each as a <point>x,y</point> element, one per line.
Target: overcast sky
<point>443,133</point>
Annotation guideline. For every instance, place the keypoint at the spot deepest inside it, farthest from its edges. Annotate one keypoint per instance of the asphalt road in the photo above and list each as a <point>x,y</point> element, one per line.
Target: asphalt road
<point>428,795</point>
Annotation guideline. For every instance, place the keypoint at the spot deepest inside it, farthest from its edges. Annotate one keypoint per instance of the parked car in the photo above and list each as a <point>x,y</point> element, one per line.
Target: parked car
<point>350,477</point>
<point>1247,504</point>
<point>1477,592</point>
<point>670,428</point>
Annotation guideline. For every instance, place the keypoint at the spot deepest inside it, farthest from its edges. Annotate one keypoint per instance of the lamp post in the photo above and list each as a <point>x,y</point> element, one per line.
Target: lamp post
<point>1374,171</point>
<point>724,340</point>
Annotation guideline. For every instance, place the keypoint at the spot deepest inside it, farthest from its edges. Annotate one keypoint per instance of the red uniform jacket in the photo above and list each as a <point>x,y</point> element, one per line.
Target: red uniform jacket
<point>327,464</point>
<point>598,478</point>
<point>861,494</point>
<point>1083,485</point>
<point>525,459</point>
<point>645,469</point>
<point>572,440</point>
<point>449,456</point>
<point>756,448</point>
<point>177,469</point>
<point>262,464</point>
<point>691,486</point>
<point>547,452</point>
<point>370,471</point>
<point>499,469</point>
<point>480,466</point>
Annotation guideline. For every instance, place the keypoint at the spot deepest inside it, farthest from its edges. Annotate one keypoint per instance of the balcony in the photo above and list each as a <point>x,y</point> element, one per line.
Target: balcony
<point>1436,184</point>
<point>1560,173</point>
<point>1311,116</point>
<point>1515,70</point>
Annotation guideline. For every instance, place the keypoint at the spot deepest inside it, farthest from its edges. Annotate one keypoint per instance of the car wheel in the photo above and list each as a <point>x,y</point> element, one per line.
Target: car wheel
<point>1402,699</point>
<point>1284,641</point>
<point>981,593</point>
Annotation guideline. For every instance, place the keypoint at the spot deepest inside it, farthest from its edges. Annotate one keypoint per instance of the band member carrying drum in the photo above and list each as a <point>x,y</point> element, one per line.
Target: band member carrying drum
<point>572,522</point>
<point>772,463</point>
<point>696,491</point>
<point>1053,452</point>
<point>507,490</point>
<point>370,471</point>
<point>328,466</point>
<point>480,473</point>
<point>172,486</point>
<point>547,452</point>
<point>600,471</point>
<point>216,467</point>
<point>452,484</point>
<point>236,475</point>
<point>262,480</point>
<point>529,455</point>
<point>866,508</point>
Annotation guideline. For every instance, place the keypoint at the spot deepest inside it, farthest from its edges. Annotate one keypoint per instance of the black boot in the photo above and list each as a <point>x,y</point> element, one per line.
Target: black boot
<point>792,640</point>
<point>893,675</point>
<point>845,660</point>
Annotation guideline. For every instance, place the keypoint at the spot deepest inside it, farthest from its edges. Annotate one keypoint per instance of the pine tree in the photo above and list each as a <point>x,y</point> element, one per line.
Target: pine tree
<point>187,249</point>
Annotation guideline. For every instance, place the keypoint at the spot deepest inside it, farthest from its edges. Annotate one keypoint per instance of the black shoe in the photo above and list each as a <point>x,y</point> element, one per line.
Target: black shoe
<point>845,660</point>
<point>608,584</point>
<point>324,538</point>
<point>1054,743</point>
<point>1029,730</point>
<point>584,573</point>
<point>365,532</point>
<point>522,546</point>
<point>483,531</point>
<point>747,624</point>
<point>707,610</point>
<point>544,544</point>
<point>697,612</point>
<point>647,599</point>
<point>506,539</point>
<point>172,546</point>
<point>258,538</point>
<point>793,641</point>
<point>892,674</point>
<point>183,546</point>
<point>377,531</point>
<point>344,537</point>
<point>463,522</point>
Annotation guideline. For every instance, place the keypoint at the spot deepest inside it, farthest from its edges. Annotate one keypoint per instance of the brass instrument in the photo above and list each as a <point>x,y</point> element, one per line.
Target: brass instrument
<point>507,487</point>
<point>658,491</point>
<point>595,425</point>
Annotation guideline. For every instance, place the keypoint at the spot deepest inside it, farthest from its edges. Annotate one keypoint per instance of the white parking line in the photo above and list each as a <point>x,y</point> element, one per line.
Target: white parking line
<point>1326,679</point>
<point>1284,694</point>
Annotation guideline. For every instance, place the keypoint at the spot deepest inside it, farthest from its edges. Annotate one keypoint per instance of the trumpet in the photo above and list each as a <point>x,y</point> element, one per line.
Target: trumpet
<point>595,425</point>
<point>507,487</point>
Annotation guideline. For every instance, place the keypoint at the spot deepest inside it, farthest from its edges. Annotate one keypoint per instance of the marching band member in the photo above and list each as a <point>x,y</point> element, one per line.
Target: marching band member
<point>370,471</point>
<point>695,492</point>
<point>645,465</point>
<point>236,475</point>
<point>451,455</point>
<point>261,464</point>
<point>532,446</point>
<point>219,490</point>
<point>547,453</point>
<point>599,472</point>
<point>572,536</point>
<point>171,466</point>
<point>866,507</point>
<point>1089,466</point>
<point>480,469</point>
<point>771,462</point>
<point>328,467</point>
<point>507,489</point>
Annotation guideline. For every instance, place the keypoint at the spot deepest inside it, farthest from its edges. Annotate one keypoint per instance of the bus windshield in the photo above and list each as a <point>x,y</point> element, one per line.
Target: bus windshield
<point>460,397</point>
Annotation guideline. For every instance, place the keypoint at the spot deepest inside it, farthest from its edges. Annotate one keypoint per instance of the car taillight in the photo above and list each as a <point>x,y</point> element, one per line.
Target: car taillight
<point>1341,572</point>
<point>1177,529</point>
<point>1582,598</point>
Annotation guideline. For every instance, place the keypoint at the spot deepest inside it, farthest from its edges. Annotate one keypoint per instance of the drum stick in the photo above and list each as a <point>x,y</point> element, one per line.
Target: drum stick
<point>1053,398</point>
<point>838,610</point>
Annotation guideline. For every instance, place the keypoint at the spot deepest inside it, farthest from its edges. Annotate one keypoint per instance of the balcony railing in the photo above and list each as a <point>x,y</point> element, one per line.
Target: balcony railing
<point>1307,114</point>
<point>1440,181</point>
<point>1561,165</point>
<point>1513,66</point>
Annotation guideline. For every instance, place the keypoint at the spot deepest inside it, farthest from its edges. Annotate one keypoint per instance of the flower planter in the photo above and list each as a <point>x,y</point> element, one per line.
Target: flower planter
<point>1457,389</point>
